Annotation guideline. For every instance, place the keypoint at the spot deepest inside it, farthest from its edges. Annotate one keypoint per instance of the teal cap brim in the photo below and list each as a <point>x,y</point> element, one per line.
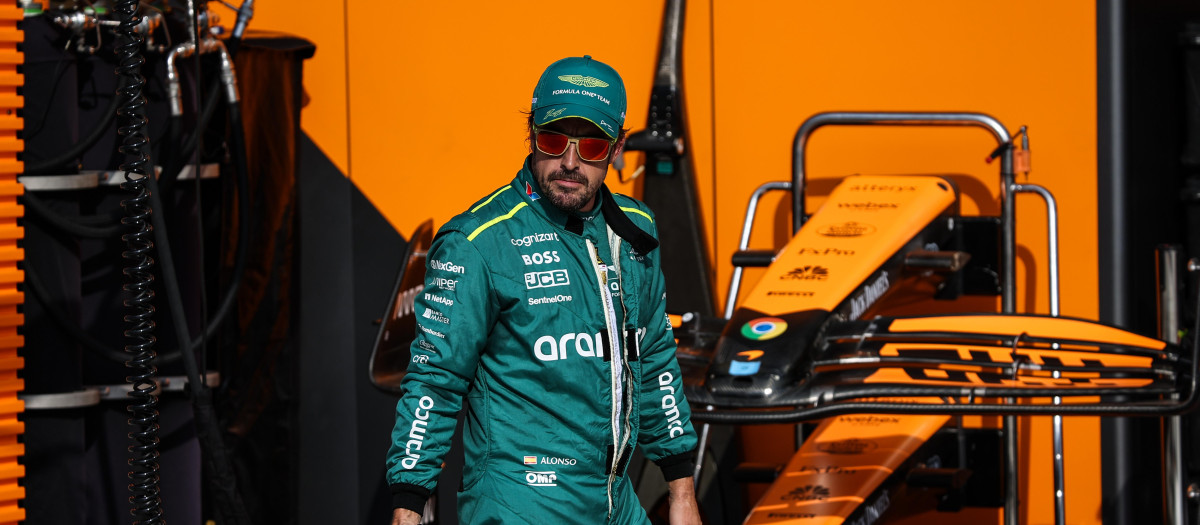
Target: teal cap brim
<point>606,123</point>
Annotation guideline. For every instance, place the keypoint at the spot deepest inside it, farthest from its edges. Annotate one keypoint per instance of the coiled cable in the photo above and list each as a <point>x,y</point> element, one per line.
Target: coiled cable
<point>143,407</point>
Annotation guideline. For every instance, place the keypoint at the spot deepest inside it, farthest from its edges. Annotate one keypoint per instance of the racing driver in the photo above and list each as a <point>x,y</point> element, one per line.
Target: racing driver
<point>544,306</point>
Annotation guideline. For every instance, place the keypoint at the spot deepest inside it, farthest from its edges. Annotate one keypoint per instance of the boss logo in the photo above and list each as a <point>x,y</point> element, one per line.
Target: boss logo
<point>548,279</point>
<point>541,258</point>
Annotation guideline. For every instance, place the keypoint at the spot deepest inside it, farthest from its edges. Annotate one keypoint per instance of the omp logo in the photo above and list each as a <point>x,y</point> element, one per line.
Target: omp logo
<point>446,266</point>
<point>439,299</point>
<point>808,493</point>
<point>528,240</point>
<point>882,188</point>
<point>847,229</point>
<point>545,257</point>
<point>806,273</point>
<point>445,284</point>
<point>541,479</point>
<point>416,433</point>
<point>583,81</point>
<point>551,348</point>
<point>847,446</point>
<point>764,328</point>
<point>669,404</point>
<point>554,113</point>
<point>788,293</point>
<point>404,302</point>
<point>869,421</point>
<point>824,251</point>
<point>868,206</point>
<point>546,279</point>
<point>871,293</point>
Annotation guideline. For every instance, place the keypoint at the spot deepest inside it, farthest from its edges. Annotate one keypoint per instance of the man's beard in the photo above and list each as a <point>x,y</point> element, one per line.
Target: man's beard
<point>569,202</point>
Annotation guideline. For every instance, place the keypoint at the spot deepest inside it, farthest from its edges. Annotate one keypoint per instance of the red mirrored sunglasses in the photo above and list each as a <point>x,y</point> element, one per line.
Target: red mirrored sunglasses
<point>553,143</point>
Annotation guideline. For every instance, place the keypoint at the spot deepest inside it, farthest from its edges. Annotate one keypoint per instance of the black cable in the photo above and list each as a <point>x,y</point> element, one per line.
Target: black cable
<point>143,405</point>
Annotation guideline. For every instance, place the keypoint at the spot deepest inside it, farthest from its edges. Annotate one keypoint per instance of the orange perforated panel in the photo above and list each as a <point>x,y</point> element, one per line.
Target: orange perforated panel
<point>11,254</point>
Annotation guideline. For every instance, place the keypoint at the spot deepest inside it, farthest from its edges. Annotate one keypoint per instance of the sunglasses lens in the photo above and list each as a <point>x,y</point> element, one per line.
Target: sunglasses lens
<point>593,149</point>
<point>551,143</point>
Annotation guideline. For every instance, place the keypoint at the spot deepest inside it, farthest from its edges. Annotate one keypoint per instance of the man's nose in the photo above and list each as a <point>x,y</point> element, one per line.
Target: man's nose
<point>570,158</point>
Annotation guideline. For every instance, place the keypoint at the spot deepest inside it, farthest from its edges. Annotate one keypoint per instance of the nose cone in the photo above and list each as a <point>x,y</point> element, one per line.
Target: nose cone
<point>763,356</point>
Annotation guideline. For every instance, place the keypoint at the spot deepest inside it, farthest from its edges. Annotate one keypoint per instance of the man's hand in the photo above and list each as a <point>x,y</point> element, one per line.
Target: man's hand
<point>406,517</point>
<point>684,510</point>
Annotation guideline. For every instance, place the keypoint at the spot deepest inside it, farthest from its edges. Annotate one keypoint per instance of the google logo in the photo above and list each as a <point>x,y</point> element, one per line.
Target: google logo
<point>764,328</point>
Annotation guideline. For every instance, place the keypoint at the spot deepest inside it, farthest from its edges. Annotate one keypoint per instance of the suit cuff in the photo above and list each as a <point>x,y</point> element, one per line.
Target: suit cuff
<point>408,496</point>
<point>677,466</point>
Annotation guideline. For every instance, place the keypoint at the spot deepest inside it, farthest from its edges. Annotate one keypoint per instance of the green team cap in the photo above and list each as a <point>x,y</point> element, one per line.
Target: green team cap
<point>583,88</point>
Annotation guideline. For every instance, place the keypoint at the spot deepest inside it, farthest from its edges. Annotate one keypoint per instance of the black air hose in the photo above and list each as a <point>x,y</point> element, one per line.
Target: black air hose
<point>143,407</point>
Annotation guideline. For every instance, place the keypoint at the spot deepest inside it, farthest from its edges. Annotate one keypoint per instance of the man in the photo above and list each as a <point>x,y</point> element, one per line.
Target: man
<point>544,305</point>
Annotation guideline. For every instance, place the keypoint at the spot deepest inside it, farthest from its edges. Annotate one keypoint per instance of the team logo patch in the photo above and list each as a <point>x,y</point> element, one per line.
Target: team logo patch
<point>764,328</point>
<point>532,194</point>
<point>580,80</point>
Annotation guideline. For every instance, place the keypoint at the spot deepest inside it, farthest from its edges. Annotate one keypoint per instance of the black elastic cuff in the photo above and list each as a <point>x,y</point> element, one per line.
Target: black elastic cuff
<point>411,497</point>
<point>678,466</point>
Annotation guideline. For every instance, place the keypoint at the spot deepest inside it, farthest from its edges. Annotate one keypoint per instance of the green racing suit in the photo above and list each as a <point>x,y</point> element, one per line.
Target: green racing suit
<point>553,326</point>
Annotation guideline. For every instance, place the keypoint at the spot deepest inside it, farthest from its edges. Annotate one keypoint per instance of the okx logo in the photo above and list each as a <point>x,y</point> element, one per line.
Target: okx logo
<point>764,328</point>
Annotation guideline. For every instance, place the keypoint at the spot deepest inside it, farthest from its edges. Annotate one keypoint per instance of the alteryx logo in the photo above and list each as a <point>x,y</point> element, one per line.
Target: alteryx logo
<point>548,279</point>
<point>764,328</point>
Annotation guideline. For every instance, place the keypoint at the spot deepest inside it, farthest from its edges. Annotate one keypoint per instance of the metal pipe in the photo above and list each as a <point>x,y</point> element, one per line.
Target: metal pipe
<point>188,49</point>
<point>1168,330</point>
<point>735,283</point>
<point>871,118</point>
<point>1060,506</point>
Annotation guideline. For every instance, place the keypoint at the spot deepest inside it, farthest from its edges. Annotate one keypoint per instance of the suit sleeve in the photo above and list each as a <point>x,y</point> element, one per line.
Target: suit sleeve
<point>666,436</point>
<point>454,312</point>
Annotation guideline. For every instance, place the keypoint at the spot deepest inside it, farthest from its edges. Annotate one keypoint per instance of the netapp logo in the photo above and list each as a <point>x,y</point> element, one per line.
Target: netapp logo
<point>528,240</point>
<point>548,279</point>
<point>446,266</point>
<point>439,299</point>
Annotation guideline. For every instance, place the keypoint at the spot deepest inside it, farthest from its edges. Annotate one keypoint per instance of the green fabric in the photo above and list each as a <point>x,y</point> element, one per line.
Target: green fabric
<point>512,319</point>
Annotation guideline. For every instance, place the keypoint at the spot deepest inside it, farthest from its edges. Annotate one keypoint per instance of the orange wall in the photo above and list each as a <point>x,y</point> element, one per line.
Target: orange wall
<point>419,103</point>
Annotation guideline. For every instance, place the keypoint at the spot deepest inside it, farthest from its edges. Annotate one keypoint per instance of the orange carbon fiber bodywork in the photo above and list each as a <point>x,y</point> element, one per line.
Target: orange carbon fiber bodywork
<point>864,222</point>
<point>840,466</point>
<point>1047,327</point>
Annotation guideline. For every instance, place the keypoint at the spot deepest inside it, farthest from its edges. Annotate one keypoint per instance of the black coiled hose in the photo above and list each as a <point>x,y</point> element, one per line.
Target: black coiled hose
<point>143,407</point>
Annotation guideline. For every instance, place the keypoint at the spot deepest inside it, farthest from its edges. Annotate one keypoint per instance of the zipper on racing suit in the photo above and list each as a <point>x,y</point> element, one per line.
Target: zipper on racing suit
<point>618,376</point>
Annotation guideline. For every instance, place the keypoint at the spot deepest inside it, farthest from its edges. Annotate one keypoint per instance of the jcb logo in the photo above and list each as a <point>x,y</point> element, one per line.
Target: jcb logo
<point>548,279</point>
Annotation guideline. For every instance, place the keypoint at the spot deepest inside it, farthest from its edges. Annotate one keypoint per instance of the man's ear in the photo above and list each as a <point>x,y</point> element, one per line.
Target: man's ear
<point>619,147</point>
